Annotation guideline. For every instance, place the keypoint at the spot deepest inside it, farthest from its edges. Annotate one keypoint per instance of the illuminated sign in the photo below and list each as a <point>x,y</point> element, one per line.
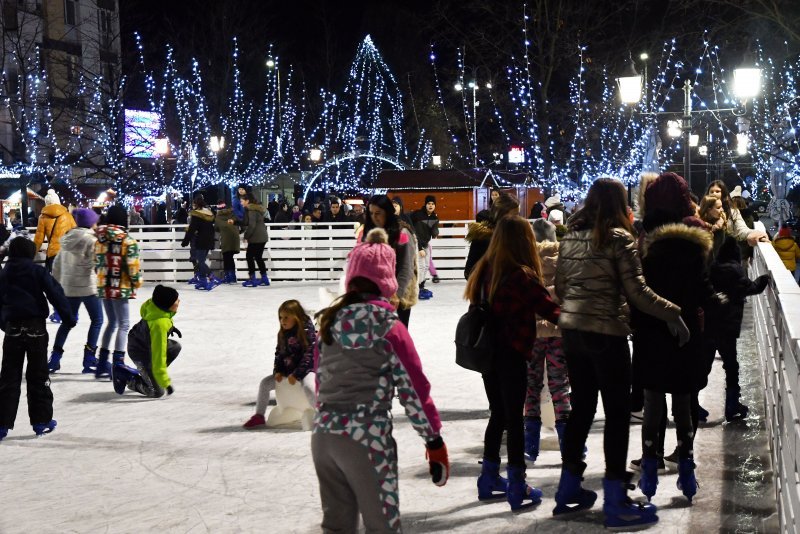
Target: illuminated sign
<point>516,154</point>
<point>141,132</point>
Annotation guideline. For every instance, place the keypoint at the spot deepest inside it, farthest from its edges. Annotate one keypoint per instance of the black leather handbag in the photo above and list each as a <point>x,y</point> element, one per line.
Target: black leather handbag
<point>475,337</point>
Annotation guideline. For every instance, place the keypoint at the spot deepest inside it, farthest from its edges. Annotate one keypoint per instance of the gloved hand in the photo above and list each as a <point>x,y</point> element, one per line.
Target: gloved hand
<point>678,329</point>
<point>170,390</point>
<point>184,243</point>
<point>436,454</point>
<point>292,380</point>
<point>762,282</point>
<point>278,377</point>
<point>175,331</point>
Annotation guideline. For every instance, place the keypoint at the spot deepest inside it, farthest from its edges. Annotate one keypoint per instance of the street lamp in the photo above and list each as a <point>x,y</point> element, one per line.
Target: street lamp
<point>746,82</point>
<point>272,63</point>
<point>215,143</point>
<point>474,86</point>
<point>630,85</point>
<point>437,161</point>
<point>162,146</point>
<point>315,155</point>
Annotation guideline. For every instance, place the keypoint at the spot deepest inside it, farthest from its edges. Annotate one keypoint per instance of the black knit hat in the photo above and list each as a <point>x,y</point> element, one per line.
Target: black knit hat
<point>21,247</point>
<point>117,215</point>
<point>164,297</point>
<point>430,198</point>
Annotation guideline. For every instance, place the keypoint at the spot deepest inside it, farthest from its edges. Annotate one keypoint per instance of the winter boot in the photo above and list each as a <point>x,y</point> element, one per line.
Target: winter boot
<point>3,432</point>
<point>570,496</point>
<point>561,426</point>
<point>264,280</point>
<point>533,430</point>
<point>251,282</point>
<point>734,410</point>
<point>55,318</point>
<point>54,364</point>
<point>40,429</point>
<point>89,359</point>
<point>648,481</point>
<point>490,484</point>
<point>621,513</point>
<point>103,367</point>
<point>122,375</point>
<point>518,491</point>
<point>687,482</point>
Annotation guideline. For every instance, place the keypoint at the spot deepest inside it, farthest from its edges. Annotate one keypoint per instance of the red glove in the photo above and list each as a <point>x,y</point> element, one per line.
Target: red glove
<point>436,454</point>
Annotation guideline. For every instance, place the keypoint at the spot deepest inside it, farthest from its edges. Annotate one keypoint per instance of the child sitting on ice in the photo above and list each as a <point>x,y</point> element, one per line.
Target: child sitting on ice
<point>25,289</point>
<point>150,348</point>
<point>294,357</point>
<point>364,355</point>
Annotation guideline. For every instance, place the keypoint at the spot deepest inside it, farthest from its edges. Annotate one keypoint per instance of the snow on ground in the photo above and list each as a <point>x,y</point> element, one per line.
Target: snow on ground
<point>184,464</point>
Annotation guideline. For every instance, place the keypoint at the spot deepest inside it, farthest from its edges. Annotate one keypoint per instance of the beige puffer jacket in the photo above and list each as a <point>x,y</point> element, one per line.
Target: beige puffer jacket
<point>548,254</point>
<point>595,285</point>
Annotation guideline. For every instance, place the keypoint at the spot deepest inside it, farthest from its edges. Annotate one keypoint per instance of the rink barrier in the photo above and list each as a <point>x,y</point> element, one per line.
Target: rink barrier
<point>309,251</point>
<point>777,324</point>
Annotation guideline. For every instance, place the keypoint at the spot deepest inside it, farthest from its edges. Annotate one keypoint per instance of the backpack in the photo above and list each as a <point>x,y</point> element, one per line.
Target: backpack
<point>475,336</point>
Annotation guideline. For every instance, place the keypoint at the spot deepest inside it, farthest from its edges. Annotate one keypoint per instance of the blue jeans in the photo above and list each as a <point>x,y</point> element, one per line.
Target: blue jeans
<point>117,314</point>
<point>95,309</point>
<point>199,256</point>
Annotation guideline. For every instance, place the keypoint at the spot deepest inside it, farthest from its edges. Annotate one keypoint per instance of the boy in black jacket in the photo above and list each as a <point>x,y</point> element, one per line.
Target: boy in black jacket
<point>23,312</point>
<point>426,227</point>
<point>724,324</point>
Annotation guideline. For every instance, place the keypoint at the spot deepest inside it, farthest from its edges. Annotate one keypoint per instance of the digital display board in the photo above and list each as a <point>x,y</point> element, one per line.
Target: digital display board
<point>141,131</point>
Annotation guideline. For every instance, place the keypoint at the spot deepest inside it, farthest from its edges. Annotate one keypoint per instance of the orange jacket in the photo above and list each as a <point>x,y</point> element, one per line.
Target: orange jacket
<point>54,222</point>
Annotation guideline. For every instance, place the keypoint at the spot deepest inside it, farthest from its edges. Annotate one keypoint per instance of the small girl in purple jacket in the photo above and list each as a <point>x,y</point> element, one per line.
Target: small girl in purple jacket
<point>364,355</point>
<point>294,358</point>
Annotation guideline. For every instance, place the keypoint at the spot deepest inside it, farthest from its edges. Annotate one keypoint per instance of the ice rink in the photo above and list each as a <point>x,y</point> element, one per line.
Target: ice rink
<point>184,463</point>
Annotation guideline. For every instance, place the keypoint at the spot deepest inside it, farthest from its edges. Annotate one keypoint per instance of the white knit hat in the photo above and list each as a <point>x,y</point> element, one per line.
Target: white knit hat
<point>556,217</point>
<point>555,200</point>
<point>51,198</point>
<point>737,191</point>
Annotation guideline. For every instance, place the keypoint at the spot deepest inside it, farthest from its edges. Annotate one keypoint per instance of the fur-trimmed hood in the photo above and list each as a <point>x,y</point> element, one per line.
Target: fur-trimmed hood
<point>479,231</point>
<point>698,236</point>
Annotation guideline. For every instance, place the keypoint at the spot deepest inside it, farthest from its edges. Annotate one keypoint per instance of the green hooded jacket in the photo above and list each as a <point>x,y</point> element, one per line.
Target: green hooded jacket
<point>160,323</point>
<point>229,240</point>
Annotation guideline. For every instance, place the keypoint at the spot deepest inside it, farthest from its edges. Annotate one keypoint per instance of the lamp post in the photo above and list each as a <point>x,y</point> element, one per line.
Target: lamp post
<point>746,85</point>
<point>162,149</point>
<point>473,85</point>
<point>216,144</point>
<point>272,63</point>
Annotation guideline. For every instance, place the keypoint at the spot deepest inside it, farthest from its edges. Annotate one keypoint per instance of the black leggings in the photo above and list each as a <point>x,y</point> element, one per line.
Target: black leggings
<point>255,253</point>
<point>654,424</point>
<point>598,363</point>
<point>506,385</point>
<point>228,264</point>
<point>726,345</point>
<point>694,407</point>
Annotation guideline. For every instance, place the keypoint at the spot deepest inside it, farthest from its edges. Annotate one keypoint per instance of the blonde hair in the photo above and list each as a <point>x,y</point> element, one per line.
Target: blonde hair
<point>295,310</point>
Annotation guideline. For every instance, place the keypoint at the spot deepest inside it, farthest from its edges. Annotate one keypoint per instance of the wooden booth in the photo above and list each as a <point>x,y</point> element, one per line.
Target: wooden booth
<point>460,195</point>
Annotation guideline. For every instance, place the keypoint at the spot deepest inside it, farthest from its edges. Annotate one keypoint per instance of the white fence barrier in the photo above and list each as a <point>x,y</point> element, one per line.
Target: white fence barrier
<point>314,251</point>
<point>777,323</point>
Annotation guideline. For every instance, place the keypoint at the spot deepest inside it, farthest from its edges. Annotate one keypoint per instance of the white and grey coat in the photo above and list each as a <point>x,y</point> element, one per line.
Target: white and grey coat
<point>74,264</point>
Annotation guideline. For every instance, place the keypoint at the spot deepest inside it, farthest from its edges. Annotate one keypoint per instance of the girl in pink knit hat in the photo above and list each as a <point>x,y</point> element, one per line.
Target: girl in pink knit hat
<point>363,357</point>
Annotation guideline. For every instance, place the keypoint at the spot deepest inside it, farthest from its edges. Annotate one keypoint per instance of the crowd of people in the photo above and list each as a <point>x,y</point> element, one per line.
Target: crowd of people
<point>566,293</point>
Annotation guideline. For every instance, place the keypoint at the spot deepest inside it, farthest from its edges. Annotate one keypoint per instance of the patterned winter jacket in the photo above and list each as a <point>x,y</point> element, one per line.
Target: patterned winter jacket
<point>372,355</point>
<point>118,275</point>
<point>292,358</point>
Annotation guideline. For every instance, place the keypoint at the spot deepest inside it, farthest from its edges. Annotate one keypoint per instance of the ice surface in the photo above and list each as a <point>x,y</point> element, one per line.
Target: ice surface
<point>184,464</point>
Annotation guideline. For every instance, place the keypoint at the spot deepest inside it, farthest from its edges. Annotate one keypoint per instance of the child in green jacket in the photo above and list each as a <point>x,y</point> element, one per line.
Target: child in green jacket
<point>150,348</point>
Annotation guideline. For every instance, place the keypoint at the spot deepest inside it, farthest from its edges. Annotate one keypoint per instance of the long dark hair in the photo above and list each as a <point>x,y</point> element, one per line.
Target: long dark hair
<point>504,205</point>
<point>605,208</point>
<point>359,289</point>
<point>725,198</point>
<point>513,247</point>
<point>392,221</point>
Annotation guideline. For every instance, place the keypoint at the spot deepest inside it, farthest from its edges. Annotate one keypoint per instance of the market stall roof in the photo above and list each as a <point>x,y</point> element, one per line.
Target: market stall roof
<point>434,179</point>
<point>14,196</point>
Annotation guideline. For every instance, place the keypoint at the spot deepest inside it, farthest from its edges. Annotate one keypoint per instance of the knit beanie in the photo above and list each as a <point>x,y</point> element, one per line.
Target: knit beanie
<point>544,230</point>
<point>430,198</point>
<point>51,198</point>
<point>85,218</point>
<point>21,247</point>
<point>556,217</point>
<point>374,260</point>
<point>667,199</point>
<point>117,215</point>
<point>164,297</point>
<point>555,200</point>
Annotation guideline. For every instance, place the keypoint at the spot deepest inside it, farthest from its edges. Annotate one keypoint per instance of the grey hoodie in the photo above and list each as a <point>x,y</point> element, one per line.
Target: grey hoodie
<point>74,264</point>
